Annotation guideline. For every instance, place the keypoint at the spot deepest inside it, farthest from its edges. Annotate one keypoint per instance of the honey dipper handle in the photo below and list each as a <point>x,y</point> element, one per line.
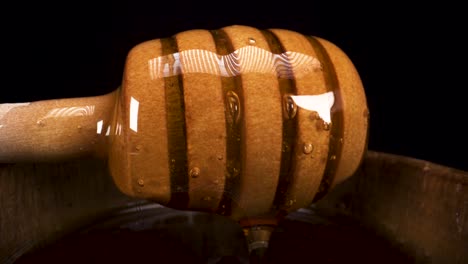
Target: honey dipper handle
<point>53,130</point>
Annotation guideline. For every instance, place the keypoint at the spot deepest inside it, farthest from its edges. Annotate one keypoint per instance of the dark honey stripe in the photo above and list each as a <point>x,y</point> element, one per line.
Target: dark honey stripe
<point>176,132</point>
<point>336,133</point>
<point>289,135</point>
<point>232,91</point>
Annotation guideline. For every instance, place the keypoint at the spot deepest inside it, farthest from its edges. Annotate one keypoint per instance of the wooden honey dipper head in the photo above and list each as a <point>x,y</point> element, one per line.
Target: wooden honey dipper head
<point>238,121</point>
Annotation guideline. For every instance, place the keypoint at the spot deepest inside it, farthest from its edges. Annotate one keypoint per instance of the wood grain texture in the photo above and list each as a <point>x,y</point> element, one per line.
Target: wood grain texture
<point>41,202</point>
<point>420,207</point>
<point>54,130</point>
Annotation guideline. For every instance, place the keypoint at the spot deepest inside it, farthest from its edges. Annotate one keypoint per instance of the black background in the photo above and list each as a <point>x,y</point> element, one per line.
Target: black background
<point>410,57</point>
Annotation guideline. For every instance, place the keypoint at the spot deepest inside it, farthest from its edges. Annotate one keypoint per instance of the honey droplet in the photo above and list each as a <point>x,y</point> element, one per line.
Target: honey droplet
<point>285,147</point>
<point>318,68</point>
<point>141,182</point>
<point>366,113</point>
<point>252,41</point>
<point>235,172</point>
<point>289,107</point>
<point>195,172</point>
<point>326,126</point>
<point>289,203</point>
<point>233,105</point>
<point>333,157</point>
<point>308,148</point>
<point>40,123</point>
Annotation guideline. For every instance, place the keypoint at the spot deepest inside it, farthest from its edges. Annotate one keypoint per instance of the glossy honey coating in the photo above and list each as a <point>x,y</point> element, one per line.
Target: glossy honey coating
<point>239,121</point>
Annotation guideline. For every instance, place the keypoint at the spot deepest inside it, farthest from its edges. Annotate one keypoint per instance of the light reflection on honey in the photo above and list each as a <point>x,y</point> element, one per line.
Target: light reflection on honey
<point>248,59</point>
<point>69,111</point>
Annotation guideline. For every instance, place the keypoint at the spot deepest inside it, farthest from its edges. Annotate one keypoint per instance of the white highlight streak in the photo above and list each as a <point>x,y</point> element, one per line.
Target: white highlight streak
<point>99,126</point>
<point>134,105</point>
<point>321,103</point>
